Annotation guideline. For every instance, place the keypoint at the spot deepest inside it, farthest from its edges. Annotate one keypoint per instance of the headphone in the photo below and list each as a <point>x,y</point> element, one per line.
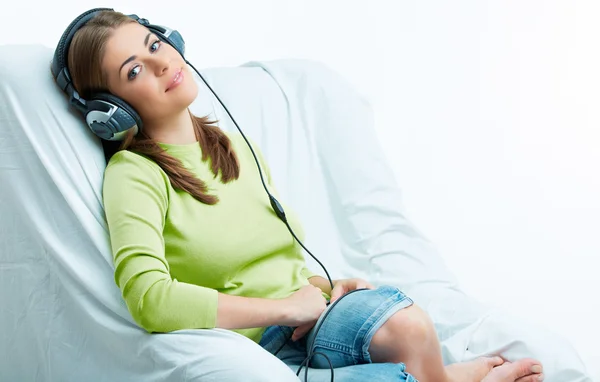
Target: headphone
<point>108,116</point>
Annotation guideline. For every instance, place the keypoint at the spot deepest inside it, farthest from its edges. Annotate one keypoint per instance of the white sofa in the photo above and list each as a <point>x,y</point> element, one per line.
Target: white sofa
<point>62,315</point>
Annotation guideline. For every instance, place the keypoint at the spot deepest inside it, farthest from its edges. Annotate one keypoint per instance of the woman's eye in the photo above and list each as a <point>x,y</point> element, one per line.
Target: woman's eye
<point>133,72</point>
<point>155,45</point>
<point>136,69</point>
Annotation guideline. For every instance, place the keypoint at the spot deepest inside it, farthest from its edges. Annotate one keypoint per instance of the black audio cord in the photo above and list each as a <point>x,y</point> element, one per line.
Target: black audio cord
<point>274,202</point>
<point>281,214</point>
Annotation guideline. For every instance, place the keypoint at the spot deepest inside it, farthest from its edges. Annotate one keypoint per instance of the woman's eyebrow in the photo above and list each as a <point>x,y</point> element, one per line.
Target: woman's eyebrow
<point>134,57</point>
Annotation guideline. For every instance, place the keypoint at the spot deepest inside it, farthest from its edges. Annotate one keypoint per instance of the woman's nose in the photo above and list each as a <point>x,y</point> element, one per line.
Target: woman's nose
<point>161,65</point>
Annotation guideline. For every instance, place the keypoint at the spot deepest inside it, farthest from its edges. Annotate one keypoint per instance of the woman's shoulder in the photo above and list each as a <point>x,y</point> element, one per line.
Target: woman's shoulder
<point>126,158</point>
<point>134,166</point>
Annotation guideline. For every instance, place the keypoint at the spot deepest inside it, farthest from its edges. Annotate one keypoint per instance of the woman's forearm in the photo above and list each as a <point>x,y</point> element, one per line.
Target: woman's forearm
<point>235,312</point>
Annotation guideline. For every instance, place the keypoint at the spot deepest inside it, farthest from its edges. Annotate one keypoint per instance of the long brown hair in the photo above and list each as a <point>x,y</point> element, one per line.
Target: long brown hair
<point>84,57</point>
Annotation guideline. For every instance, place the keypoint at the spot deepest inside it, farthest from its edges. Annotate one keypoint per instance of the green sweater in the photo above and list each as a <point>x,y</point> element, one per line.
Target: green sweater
<point>172,253</point>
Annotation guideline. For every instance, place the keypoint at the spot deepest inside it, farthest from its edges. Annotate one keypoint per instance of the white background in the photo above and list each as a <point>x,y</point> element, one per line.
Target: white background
<point>488,111</point>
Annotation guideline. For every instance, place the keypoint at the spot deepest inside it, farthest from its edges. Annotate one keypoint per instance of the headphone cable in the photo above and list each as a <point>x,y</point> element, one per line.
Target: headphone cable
<point>281,214</point>
<point>274,202</point>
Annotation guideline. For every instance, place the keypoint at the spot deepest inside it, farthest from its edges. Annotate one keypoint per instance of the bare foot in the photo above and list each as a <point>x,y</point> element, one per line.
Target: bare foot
<point>472,371</point>
<point>524,370</point>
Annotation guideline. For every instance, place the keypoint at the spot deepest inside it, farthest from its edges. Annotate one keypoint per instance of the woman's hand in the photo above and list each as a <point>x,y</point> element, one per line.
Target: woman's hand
<point>341,287</point>
<point>305,307</point>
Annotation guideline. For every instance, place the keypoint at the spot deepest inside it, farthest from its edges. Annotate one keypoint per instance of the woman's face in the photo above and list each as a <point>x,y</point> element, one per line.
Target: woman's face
<point>147,73</point>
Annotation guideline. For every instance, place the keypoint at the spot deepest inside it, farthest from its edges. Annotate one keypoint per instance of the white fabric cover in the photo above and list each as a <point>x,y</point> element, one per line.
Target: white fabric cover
<point>62,315</point>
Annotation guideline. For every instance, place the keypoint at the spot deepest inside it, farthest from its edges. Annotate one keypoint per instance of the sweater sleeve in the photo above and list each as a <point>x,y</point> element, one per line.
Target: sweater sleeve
<point>136,199</point>
<point>267,171</point>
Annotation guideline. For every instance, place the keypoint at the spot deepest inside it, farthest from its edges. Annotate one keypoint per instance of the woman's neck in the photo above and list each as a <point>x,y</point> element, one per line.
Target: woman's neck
<point>176,130</point>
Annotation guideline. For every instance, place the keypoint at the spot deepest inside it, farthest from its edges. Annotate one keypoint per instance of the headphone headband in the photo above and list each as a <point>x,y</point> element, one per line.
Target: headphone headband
<point>59,63</point>
<point>108,116</point>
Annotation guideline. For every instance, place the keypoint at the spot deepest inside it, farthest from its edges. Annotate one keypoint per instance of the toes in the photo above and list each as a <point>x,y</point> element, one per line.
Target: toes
<point>531,378</point>
<point>492,362</point>
<point>496,361</point>
<point>525,367</point>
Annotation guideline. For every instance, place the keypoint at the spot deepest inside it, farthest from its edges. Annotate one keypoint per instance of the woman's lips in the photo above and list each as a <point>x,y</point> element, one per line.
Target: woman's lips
<point>177,79</point>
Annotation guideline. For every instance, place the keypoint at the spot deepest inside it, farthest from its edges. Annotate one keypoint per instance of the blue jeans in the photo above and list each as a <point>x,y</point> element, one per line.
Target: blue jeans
<point>343,333</point>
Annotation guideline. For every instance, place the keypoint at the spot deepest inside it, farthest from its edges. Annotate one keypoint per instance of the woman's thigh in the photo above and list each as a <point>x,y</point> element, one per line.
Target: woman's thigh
<point>221,355</point>
<point>344,331</point>
<point>277,340</point>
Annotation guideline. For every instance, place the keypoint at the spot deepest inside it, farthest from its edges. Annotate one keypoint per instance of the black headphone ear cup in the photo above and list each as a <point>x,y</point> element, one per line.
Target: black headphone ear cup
<point>111,118</point>
<point>119,103</point>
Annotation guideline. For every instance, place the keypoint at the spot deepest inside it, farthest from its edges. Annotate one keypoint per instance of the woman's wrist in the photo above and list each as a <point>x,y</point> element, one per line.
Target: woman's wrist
<point>322,283</point>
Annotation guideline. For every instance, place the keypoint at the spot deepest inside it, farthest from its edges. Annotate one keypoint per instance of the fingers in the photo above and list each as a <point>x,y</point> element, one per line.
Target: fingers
<point>361,284</point>
<point>298,333</point>
<point>336,293</point>
<point>364,284</point>
<point>301,331</point>
<point>344,286</point>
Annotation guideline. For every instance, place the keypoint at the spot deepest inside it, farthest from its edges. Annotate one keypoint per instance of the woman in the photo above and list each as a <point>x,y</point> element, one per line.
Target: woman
<point>196,244</point>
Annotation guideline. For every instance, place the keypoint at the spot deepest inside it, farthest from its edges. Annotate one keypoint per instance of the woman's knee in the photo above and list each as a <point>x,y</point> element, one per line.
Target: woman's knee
<point>406,328</point>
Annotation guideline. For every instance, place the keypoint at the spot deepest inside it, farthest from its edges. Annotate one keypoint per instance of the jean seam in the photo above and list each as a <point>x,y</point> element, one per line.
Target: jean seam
<point>334,346</point>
